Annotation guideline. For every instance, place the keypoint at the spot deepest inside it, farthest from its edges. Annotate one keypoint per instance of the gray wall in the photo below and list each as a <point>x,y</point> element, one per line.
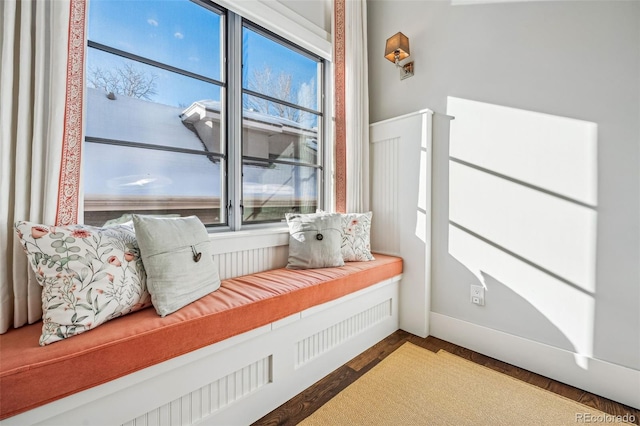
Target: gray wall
<point>316,11</point>
<point>577,59</point>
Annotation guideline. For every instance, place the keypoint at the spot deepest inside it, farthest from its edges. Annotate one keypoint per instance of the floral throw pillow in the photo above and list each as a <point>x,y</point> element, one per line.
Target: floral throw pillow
<point>88,275</point>
<point>356,236</point>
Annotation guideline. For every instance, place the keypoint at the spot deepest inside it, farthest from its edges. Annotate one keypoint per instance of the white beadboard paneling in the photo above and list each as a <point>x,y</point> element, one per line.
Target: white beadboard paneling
<point>164,415</point>
<point>384,196</point>
<point>251,261</point>
<point>227,242</point>
<point>250,251</point>
<point>200,403</point>
<point>401,157</point>
<point>323,341</point>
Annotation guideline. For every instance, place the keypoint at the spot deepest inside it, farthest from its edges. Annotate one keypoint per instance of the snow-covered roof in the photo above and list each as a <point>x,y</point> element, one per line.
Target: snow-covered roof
<point>212,108</point>
<point>137,120</point>
<point>127,171</point>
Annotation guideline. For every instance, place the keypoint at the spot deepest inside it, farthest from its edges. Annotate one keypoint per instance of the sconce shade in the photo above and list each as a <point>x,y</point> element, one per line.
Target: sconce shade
<point>397,44</point>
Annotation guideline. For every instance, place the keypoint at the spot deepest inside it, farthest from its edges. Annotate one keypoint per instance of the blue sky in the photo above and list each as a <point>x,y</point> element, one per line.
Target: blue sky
<point>185,35</point>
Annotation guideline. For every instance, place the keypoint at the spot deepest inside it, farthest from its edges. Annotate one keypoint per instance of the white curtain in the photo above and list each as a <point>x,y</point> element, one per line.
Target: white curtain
<point>357,106</point>
<point>40,134</point>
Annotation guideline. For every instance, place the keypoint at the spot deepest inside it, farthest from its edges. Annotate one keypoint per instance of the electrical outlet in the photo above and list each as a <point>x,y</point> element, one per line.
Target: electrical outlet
<point>477,295</point>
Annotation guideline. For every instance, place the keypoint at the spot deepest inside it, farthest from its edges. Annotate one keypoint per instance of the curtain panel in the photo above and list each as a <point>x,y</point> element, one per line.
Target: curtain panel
<point>41,107</point>
<point>352,106</point>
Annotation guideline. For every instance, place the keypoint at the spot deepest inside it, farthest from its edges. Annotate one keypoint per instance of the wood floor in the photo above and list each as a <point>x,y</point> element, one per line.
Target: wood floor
<point>305,403</point>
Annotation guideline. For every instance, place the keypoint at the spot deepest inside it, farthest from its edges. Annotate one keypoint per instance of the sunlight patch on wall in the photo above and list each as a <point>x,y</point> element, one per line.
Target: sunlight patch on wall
<point>553,153</point>
<point>522,209</point>
<point>555,234</point>
<point>424,187</point>
<point>569,308</point>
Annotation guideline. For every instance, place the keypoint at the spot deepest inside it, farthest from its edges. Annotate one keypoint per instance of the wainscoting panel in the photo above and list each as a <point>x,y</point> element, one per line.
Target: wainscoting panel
<point>205,401</point>
<point>325,340</point>
<point>385,196</point>
<point>401,204</point>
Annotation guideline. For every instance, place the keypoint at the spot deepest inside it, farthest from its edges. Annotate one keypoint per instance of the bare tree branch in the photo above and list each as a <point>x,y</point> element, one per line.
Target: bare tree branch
<point>126,80</point>
<point>280,87</point>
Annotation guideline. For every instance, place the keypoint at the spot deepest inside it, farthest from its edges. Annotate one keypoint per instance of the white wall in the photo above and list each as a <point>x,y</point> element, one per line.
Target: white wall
<point>577,60</point>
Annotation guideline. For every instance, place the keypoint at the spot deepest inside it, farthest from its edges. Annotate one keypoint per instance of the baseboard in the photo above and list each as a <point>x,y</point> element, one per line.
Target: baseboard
<point>602,378</point>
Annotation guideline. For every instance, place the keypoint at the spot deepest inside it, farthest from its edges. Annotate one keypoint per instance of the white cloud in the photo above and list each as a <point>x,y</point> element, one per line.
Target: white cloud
<point>194,58</point>
<point>179,35</point>
<point>152,22</point>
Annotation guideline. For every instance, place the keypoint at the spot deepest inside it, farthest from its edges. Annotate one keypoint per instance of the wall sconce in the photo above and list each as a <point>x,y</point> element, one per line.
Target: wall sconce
<point>398,49</point>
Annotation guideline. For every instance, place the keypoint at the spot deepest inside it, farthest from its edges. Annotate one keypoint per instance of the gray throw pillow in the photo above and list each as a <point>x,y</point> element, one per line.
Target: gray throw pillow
<point>178,259</point>
<point>314,240</point>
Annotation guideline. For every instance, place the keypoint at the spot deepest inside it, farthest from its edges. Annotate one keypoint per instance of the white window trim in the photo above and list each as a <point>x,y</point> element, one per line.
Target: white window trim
<point>279,19</point>
<point>245,239</point>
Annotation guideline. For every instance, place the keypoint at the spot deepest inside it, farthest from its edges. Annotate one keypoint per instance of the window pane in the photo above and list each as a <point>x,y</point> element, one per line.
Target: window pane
<point>178,33</point>
<point>157,140</point>
<point>271,190</point>
<point>113,73</point>
<point>186,118</point>
<point>270,137</point>
<point>276,134</point>
<point>272,69</point>
<point>179,111</point>
<point>150,181</point>
<point>261,109</point>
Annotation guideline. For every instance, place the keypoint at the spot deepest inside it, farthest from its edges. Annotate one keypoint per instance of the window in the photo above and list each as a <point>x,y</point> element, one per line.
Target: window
<point>281,119</point>
<point>192,110</point>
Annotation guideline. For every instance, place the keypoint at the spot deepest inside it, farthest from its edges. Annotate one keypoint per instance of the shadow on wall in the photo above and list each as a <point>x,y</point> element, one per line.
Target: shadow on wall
<point>522,213</point>
<point>514,306</point>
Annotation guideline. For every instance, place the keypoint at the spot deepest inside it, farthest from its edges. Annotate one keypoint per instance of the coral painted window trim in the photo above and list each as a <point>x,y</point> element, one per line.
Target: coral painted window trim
<point>69,184</point>
<point>341,131</point>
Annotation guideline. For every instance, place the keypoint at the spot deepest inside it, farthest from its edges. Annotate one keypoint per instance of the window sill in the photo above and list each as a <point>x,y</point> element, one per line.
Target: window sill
<point>249,239</point>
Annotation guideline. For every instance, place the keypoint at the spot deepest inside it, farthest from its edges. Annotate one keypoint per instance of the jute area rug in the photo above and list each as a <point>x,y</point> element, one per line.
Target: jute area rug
<point>414,386</point>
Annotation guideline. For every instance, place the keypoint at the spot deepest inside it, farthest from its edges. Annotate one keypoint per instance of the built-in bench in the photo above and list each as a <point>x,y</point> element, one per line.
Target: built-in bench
<point>279,330</point>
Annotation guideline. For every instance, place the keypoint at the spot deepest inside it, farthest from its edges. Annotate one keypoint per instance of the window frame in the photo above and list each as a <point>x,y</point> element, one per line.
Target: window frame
<point>231,117</point>
<point>320,113</point>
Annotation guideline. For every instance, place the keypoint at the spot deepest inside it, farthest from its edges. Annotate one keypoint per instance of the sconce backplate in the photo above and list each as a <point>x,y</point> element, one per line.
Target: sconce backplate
<point>406,71</point>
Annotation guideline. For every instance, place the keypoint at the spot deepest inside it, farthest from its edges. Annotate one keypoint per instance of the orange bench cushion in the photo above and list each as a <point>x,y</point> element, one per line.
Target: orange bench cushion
<point>33,375</point>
